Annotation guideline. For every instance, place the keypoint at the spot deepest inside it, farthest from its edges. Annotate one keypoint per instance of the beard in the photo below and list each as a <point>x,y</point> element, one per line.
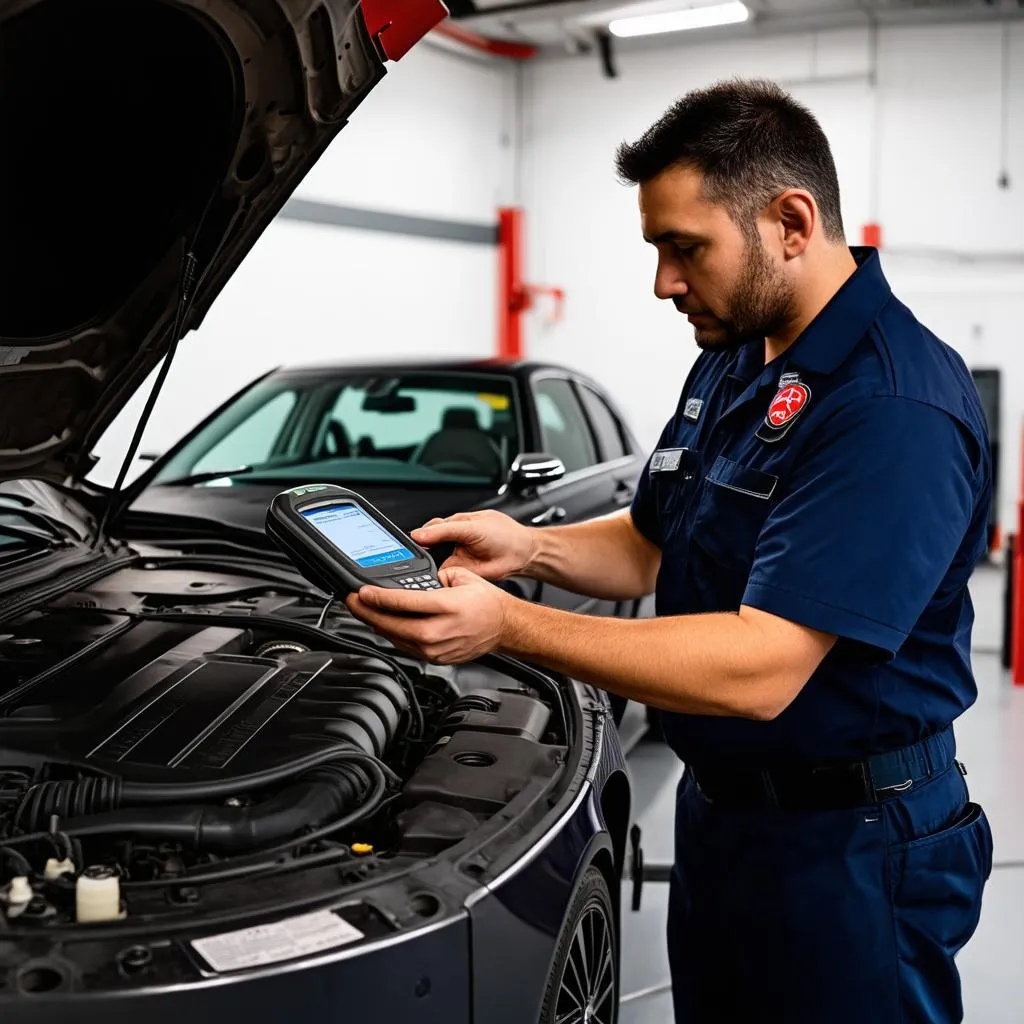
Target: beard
<point>759,306</point>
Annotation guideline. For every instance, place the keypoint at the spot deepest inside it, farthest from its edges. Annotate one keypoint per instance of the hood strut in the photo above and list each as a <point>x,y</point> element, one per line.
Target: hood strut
<point>185,292</point>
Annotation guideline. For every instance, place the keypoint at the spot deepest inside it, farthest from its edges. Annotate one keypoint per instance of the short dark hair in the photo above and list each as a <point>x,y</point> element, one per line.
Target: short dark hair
<point>750,140</point>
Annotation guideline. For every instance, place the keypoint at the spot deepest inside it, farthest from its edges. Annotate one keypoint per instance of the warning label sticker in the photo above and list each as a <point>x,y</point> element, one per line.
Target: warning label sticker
<point>277,942</point>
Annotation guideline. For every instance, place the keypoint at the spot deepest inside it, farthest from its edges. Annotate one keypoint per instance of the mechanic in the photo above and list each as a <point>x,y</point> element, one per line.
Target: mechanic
<point>809,523</point>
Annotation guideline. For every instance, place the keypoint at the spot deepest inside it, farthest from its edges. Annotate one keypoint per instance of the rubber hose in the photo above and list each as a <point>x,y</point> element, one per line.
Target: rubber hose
<point>155,792</point>
<point>96,797</point>
<point>305,804</point>
<point>67,799</point>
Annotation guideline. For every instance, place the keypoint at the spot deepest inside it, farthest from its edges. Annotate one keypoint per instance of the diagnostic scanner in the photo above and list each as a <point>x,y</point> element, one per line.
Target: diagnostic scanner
<point>340,542</point>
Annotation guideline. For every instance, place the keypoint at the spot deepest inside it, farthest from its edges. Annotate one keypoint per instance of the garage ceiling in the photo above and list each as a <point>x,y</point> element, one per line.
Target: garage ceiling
<point>575,24</point>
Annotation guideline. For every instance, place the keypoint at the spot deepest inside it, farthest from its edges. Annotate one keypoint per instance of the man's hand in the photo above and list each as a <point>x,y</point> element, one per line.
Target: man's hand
<point>490,544</point>
<point>446,627</point>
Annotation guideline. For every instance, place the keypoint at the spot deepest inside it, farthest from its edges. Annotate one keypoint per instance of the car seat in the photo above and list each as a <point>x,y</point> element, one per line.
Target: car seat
<point>460,446</point>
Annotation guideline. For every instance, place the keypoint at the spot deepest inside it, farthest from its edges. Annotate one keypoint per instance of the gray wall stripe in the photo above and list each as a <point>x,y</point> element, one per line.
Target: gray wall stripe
<point>313,212</point>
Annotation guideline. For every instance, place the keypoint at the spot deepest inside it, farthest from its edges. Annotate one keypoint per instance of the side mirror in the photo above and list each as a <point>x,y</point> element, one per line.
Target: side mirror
<point>533,469</point>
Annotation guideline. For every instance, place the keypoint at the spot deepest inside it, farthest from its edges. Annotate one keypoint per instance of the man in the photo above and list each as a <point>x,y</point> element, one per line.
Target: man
<point>809,523</point>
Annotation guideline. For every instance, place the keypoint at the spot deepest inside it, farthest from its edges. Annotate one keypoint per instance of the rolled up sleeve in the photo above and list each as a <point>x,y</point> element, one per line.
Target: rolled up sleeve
<point>869,523</point>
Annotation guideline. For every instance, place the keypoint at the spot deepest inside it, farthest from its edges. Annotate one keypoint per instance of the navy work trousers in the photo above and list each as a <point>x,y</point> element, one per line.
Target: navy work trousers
<point>826,917</point>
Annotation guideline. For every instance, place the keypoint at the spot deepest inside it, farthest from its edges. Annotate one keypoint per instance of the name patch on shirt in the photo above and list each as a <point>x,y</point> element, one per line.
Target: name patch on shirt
<point>691,410</point>
<point>666,460</point>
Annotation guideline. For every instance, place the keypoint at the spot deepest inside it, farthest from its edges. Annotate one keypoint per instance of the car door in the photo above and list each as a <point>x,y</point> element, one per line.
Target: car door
<point>592,485</point>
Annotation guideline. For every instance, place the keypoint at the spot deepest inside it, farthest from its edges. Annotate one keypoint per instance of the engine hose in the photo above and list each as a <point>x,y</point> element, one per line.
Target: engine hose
<point>73,798</point>
<point>307,803</point>
<point>79,798</point>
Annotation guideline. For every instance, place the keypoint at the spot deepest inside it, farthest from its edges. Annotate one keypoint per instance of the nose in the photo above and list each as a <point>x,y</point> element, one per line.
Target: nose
<point>668,281</point>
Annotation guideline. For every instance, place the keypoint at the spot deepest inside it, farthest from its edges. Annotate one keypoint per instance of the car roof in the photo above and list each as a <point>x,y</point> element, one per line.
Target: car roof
<point>519,369</point>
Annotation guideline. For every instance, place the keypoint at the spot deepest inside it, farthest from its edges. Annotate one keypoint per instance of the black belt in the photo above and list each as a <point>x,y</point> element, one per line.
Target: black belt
<point>826,786</point>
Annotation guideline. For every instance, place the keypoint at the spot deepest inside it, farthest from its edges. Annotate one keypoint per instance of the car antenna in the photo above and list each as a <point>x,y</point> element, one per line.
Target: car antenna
<point>185,292</point>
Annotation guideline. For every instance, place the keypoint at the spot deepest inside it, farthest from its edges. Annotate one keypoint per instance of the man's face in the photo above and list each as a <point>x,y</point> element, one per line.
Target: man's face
<point>729,286</point>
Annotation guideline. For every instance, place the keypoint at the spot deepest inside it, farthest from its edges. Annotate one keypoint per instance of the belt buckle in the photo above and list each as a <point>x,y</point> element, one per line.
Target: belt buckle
<point>850,783</point>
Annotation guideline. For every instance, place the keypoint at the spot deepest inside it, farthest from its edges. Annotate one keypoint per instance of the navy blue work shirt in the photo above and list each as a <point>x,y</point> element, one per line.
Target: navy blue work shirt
<point>845,486</point>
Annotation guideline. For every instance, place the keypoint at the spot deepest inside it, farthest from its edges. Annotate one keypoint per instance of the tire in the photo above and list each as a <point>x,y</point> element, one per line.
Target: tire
<point>586,961</point>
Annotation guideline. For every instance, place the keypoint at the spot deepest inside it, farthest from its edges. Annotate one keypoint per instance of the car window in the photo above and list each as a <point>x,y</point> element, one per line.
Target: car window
<point>433,410</point>
<point>252,441</point>
<point>417,427</point>
<point>564,429</point>
<point>606,425</point>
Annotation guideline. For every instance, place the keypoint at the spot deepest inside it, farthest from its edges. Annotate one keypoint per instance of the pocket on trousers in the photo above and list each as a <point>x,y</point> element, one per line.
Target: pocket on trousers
<point>937,885</point>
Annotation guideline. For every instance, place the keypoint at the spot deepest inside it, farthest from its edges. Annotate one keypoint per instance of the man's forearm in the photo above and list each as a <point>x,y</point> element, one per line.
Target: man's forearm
<point>606,558</point>
<point>718,664</point>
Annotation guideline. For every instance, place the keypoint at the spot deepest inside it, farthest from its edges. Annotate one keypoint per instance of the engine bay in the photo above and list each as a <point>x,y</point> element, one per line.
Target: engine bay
<point>175,725</point>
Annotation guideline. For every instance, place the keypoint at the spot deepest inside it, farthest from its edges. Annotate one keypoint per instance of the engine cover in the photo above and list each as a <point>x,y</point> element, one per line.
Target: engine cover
<point>202,709</point>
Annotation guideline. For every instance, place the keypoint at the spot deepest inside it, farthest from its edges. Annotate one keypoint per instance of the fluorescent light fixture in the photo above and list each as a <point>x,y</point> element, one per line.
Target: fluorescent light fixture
<point>679,21</point>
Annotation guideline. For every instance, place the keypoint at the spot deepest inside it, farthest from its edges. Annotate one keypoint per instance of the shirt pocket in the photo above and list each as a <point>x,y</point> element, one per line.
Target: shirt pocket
<point>673,491</point>
<point>734,502</point>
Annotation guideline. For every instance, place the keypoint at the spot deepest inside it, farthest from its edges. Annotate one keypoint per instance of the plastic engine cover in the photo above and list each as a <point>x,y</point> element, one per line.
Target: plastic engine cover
<point>199,710</point>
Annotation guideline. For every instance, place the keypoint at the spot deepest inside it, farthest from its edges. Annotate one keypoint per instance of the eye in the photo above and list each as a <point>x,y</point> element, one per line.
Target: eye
<point>686,251</point>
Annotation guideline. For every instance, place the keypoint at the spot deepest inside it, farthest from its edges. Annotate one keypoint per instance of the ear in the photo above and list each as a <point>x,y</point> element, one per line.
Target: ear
<point>797,215</point>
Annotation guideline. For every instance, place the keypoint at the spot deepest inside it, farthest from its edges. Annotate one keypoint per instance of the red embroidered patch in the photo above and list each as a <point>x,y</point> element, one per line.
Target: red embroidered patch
<point>787,404</point>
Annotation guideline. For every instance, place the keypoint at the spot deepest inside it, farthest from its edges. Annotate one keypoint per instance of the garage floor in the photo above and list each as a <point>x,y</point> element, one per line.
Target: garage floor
<point>991,744</point>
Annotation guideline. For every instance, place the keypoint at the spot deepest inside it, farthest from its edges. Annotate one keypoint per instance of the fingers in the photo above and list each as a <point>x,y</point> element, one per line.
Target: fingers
<point>456,576</point>
<point>401,631</point>
<point>461,561</point>
<point>417,635</point>
<point>445,531</point>
<point>395,601</point>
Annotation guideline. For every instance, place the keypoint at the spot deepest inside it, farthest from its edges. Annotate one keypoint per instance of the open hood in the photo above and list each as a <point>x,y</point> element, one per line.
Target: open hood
<point>136,132</point>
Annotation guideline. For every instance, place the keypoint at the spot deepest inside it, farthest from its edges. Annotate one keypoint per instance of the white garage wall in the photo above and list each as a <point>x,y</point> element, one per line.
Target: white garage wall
<point>927,169</point>
<point>432,140</point>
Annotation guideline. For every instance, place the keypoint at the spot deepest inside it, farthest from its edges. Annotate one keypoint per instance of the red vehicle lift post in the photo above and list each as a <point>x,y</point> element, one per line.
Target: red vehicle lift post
<point>514,296</point>
<point>1017,570</point>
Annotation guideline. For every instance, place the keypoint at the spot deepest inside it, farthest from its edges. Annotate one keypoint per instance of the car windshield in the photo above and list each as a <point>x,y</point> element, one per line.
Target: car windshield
<point>437,429</point>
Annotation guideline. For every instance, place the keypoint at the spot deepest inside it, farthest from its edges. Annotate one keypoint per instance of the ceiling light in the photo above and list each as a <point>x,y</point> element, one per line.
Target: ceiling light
<point>679,21</point>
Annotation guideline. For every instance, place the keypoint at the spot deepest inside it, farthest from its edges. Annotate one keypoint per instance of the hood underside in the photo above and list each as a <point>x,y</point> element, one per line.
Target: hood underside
<point>136,132</point>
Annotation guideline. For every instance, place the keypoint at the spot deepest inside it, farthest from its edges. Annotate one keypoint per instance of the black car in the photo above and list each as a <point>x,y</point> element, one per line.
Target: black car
<point>542,443</point>
<point>539,442</point>
<point>220,796</point>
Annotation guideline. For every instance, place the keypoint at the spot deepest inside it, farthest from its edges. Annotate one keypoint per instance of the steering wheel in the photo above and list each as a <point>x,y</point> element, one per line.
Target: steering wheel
<point>338,437</point>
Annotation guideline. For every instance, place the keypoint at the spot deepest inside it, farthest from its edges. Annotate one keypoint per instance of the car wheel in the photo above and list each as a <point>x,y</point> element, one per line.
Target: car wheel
<point>583,987</point>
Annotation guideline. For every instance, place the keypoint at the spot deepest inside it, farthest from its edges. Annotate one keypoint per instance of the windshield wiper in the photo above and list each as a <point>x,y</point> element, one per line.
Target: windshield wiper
<point>199,478</point>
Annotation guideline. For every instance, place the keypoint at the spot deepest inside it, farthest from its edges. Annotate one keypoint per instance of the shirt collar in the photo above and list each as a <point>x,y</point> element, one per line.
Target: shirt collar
<point>831,336</point>
<point>829,339</point>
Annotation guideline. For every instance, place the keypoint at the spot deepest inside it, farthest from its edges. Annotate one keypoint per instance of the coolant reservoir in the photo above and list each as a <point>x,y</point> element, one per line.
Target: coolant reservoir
<point>98,896</point>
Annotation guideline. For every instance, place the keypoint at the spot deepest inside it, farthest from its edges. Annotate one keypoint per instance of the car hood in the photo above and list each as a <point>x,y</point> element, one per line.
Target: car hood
<point>244,507</point>
<point>142,131</point>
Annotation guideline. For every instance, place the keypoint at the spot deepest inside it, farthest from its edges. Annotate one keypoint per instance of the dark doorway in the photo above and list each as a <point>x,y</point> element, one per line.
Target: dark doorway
<point>989,384</point>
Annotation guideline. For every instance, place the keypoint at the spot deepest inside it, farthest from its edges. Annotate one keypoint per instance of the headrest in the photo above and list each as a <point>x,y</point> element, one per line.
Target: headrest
<point>460,419</point>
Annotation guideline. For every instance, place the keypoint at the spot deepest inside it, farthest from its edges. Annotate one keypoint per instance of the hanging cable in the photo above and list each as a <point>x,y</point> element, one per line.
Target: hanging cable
<point>1004,100</point>
<point>323,615</point>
